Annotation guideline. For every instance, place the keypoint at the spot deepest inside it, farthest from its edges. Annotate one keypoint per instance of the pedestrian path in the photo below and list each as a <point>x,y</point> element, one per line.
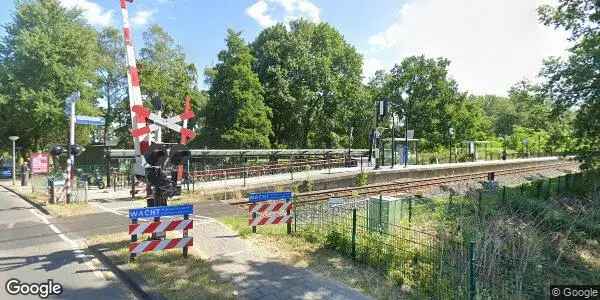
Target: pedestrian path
<point>255,274</point>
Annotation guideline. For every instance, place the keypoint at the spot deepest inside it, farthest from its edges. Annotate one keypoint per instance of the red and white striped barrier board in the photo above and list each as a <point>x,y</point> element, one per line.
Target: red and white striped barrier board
<point>159,227</point>
<point>159,245</point>
<point>163,226</point>
<point>270,212</point>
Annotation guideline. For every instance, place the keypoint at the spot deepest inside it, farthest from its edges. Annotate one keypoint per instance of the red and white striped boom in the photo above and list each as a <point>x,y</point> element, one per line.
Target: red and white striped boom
<point>135,95</point>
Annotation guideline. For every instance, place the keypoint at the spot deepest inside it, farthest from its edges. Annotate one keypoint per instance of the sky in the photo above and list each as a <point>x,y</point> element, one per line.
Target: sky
<point>492,44</point>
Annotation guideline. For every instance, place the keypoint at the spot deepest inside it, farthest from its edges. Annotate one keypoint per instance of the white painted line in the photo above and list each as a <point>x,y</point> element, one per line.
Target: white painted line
<point>75,247</point>
<point>235,252</point>
<point>107,209</point>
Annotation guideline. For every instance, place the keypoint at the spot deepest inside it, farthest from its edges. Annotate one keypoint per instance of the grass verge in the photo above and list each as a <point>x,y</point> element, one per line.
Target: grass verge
<point>56,210</point>
<point>305,253</point>
<point>167,272</point>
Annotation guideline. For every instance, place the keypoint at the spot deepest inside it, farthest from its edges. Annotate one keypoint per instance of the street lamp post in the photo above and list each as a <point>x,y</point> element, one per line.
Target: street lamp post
<point>405,97</point>
<point>451,135</point>
<point>13,138</point>
<point>393,140</point>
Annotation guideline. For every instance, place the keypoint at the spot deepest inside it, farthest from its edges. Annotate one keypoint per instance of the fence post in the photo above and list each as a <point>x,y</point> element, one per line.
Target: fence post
<point>409,211</point>
<point>503,195</point>
<point>380,213</point>
<point>522,188</point>
<point>354,233</point>
<point>253,227</point>
<point>479,214</point>
<point>472,283</point>
<point>289,224</point>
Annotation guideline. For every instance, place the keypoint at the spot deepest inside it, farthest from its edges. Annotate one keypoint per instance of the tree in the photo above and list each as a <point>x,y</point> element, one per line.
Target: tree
<point>312,81</point>
<point>432,101</point>
<point>112,73</point>
<point>48,53</point>
<point>166,75</point>
<point>574,82</point>
<point>236,114</point>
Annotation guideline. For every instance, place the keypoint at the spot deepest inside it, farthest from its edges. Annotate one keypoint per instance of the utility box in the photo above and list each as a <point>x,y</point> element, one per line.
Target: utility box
<point>384,212</point>
<point>55,187</point>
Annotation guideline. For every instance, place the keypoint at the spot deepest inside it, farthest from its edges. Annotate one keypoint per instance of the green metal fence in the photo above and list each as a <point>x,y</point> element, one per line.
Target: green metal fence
<point>487,244</point>
<point>426,265</point>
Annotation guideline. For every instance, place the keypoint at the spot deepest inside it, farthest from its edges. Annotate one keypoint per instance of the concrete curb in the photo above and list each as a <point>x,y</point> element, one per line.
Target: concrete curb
<point>135,282</point>
<point>33,203</point>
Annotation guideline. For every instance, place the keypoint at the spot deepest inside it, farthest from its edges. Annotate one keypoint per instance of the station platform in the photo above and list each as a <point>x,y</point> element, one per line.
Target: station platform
<point>346,177</point>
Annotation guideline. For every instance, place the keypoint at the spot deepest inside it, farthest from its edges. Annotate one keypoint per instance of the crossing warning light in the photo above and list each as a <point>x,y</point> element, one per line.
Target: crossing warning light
<point>76,150</point>
<point>57,150</point>
<point>156,155</point>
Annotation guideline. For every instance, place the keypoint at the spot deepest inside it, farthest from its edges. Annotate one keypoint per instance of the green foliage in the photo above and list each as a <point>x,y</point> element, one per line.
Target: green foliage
<point>236,114</point>
<point>166,75</point>
<point>312,82</point>
<point>47,53</point>
<point>574,82</point>
<point>362,179</point>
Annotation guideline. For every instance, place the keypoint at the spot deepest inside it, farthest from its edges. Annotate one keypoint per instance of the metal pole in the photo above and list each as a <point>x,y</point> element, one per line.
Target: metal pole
<point>354,233</point>
<point>393,140</point>
<point>406,138</point>
<point>14,169</point>
<point>71,160</point>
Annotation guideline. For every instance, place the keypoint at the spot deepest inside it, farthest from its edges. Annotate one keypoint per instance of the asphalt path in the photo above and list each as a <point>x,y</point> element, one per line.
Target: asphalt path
<point>35,248</point>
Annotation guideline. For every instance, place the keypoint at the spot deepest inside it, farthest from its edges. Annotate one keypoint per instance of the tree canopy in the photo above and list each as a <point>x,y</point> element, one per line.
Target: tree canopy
<point>236,115</point>
<point>296,85</point>
<point>48,53</point>
<point>574,82</point>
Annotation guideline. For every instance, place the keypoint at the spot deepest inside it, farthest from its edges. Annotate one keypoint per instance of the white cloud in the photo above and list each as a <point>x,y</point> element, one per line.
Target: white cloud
<point>92,12</point>
<point>268,12</point>
<point>491,44</point>
<point>370,66</point>
<point>258,12</point>
<point>142,17</point>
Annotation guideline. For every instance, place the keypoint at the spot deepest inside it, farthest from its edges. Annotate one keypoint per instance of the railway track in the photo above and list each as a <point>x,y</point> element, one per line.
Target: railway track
<point>397,187</point>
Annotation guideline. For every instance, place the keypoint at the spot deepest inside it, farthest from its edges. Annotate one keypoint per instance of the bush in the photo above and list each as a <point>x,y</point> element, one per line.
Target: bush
<point>362,179</point>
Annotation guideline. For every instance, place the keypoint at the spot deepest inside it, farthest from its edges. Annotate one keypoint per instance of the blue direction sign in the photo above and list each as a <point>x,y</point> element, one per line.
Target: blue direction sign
<point>87,120</point>
<point>161,211</point>
<point>258,197</point>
